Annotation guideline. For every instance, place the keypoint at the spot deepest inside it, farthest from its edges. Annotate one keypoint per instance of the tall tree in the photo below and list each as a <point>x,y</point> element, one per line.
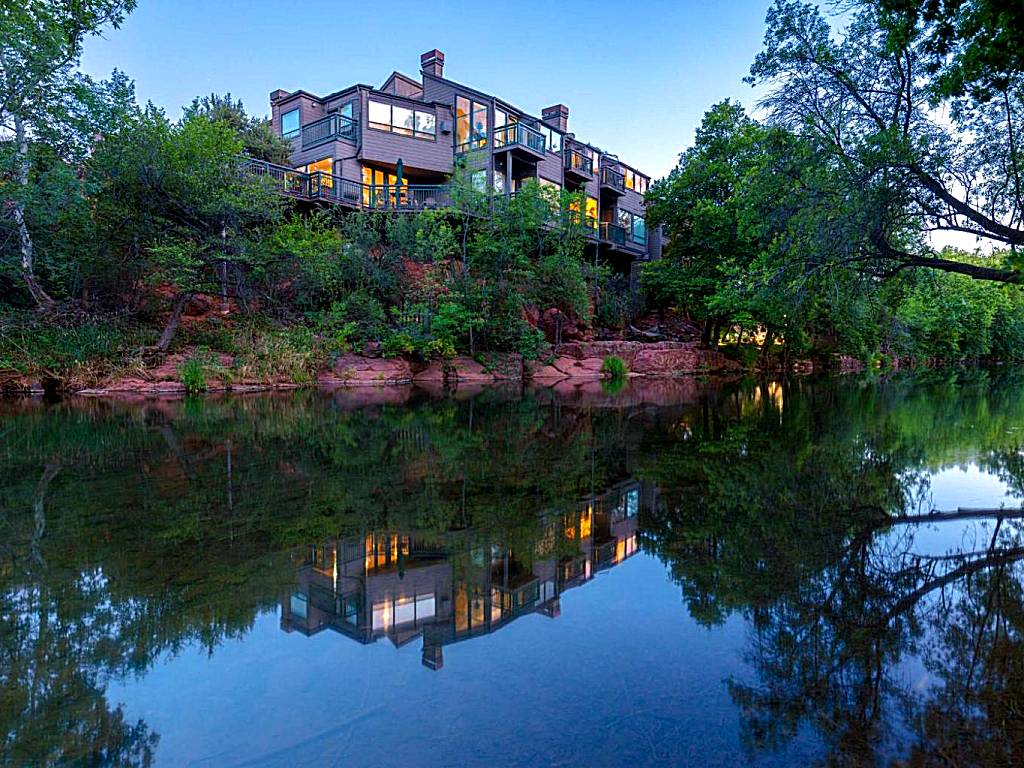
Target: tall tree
<point>874,99</point>
<point>42,97</point>
<point>175,199</point>
<point>258,139</point>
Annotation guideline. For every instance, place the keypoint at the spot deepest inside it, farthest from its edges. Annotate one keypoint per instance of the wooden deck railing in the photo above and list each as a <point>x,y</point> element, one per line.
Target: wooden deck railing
<point>331,188</point>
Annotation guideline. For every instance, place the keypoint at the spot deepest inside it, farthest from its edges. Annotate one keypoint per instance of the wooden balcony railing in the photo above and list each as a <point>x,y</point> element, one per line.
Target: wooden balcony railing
<point>610,177</point>
<point>328,187</point>
<point>519,134</point>
<point>579,162</point>
<point>328,129</point>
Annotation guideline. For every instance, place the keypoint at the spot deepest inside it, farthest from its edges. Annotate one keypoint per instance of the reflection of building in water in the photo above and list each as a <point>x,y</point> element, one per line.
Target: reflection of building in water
<point>450,588</point>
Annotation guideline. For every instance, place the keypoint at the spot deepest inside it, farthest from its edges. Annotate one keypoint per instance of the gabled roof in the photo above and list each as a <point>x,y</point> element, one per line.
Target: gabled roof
<point>396,75</point>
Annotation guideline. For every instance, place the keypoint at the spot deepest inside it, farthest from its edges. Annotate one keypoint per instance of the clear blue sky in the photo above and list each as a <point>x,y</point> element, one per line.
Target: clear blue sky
<point>636,76</point>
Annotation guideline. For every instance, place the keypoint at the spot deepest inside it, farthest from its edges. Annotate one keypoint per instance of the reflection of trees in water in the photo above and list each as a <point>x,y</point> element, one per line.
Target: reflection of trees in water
<point>131,531</point>
<point>808,521</point>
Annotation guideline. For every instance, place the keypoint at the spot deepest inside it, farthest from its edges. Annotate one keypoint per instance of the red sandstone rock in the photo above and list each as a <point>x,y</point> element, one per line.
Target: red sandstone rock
<point>433,372</point>
<point>356,370</point>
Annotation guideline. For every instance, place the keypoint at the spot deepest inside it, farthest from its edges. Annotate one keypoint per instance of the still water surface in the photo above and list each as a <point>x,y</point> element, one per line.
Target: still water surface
<point>815,572</point>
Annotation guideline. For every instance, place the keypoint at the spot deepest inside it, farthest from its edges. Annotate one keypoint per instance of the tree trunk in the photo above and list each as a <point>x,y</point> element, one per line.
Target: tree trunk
<point>172,322</point>
<point>766,346</point>
<point>705,337</point>
<point>40,296</point>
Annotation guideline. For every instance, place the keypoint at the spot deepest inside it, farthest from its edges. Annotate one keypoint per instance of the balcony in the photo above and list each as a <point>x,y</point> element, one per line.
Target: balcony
<point>613,234</point>
<point>326,187</point>
<point>330,128</point>
<point>526,142</point>
<point>613,180</point>
<point>285,181</point>
<point>579,165</point>
<point>405,197</point>
<point>334,189</point>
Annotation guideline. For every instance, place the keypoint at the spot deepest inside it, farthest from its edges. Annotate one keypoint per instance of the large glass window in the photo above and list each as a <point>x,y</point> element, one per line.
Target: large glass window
<point>591,212</point>
<point>624,219</point>
<point>290,124</point>
<point>401,120</point>
<point>479,180</point>
<point>639,229</point>
<point>479,132</point>
<point>470,124</point>
<point>378,187</point>
<point>325,167</point>
<point>635,226</point>
<point>636,181</point>
<point>552,139</point>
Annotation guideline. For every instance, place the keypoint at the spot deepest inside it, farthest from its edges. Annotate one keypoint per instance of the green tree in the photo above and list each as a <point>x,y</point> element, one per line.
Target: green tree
<point>45,101</point>
<point>174,198</point>
<point>892,173</point>
<point>258,138</point>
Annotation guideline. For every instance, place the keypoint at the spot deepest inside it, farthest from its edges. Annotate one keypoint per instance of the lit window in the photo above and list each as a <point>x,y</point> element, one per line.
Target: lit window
<point>402,120</point>
<point>425,123</point>
<point>380,116</point>
<point>470,124</point>
<point>325,168</point>
<point>591,212</point>
<point>290,124</point>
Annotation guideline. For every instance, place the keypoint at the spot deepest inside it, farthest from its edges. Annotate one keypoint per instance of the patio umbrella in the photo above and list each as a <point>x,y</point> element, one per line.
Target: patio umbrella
<point>399,170</point>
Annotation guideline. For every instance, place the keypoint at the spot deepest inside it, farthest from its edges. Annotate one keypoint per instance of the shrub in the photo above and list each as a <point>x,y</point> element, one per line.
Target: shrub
<point>295,353</point>
<point>614,367</point>
<point>193,374</point>
<point>92,349</point>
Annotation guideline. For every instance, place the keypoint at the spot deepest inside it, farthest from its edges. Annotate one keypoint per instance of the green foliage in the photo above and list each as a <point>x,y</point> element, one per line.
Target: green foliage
<point>33,347</point>
<point>193,373</point>
<point>614,367</point>
<point>969,46</point>
<point>953,317</point>
<point>258,138</point>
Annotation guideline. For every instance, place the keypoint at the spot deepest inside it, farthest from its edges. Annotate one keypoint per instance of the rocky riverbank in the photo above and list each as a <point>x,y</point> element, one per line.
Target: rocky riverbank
<point>575,361</point>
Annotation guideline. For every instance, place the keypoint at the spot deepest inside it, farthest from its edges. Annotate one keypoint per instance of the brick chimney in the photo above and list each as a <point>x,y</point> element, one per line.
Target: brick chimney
<point>432,63</point>
<point>556,116</point>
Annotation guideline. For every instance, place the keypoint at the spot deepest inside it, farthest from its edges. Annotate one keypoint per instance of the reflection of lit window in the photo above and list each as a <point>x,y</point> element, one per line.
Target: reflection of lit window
<point>633,502</point>
<point>425,607</point>
<point>586,522</point>
<point>405,610</point>
<point>300,605</point>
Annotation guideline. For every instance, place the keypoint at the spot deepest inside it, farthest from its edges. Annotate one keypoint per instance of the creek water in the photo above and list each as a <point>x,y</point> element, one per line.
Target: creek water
<point>812,571</point>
